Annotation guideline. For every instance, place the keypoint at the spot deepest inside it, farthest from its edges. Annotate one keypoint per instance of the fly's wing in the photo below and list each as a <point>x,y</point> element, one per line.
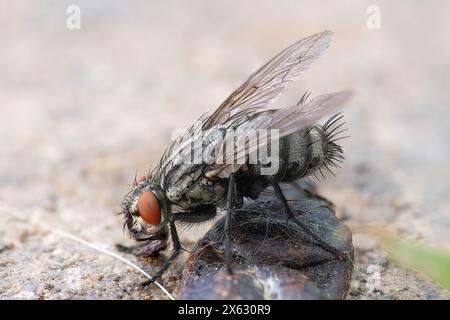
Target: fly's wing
<point>286,120</point>
<point>291,119</point>
<point>252,97</point>
<point>269,81</point>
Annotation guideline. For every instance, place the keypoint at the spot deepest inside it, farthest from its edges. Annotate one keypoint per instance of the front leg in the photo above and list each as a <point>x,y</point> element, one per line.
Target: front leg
<point>176,251</point>
<point>183,217</point>
<point>146,248</point>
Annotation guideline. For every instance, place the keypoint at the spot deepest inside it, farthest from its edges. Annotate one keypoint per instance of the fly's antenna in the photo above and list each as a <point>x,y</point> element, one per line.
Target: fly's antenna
<point>17,214</point>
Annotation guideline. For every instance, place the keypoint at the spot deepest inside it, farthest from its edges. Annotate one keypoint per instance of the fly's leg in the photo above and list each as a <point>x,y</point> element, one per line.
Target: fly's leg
<point>176,251</point>
<point>146,249</point>
<point>228,220</point>
<point>310,191</point>
<point>127,249</point>
<point>279,193</point>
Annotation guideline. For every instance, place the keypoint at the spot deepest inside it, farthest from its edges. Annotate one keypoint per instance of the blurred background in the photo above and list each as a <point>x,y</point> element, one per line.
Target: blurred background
<point>81,110</point>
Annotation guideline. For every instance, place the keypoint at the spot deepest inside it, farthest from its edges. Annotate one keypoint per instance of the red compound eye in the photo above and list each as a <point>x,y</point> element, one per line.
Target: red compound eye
<point>148,208</point>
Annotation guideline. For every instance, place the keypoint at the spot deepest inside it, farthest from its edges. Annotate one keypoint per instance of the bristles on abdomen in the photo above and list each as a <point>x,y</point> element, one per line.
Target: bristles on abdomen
<point>334,128</point>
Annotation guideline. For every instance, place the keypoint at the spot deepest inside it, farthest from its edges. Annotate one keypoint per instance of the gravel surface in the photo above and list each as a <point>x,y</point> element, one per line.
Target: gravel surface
<point>82,110</point>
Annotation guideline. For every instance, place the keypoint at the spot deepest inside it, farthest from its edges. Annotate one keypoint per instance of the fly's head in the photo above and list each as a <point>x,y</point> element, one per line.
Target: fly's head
<point>146,212</point>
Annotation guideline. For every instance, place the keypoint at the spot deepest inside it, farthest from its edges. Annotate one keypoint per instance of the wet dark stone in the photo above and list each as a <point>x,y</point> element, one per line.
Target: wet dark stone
<point>272,259</point>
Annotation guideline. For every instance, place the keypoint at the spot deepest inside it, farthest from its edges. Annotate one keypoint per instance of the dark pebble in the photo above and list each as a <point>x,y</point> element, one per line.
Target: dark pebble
<point>272,259</point>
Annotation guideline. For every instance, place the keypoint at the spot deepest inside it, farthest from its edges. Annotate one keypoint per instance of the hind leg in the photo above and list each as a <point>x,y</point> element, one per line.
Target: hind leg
<point>324,245</point>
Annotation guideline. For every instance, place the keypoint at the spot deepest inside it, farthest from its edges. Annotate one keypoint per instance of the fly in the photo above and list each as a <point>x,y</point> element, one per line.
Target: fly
<point>182,191</point>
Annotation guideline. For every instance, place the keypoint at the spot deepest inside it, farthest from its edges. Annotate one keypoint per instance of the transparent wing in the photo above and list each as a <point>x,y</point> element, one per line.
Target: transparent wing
<point>291,119</point>
<point>253,98</point>
<point>286,120</point>
<point>269,81</point>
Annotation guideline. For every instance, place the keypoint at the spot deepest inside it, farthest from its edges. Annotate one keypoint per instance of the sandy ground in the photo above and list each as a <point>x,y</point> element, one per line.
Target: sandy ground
<point>82,110</point>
